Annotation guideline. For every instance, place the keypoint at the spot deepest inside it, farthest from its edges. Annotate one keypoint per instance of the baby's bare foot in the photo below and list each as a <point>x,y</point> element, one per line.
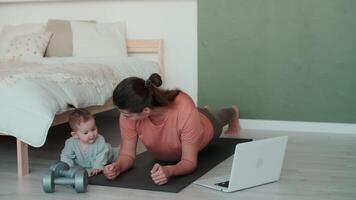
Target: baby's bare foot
<point>234,124</point>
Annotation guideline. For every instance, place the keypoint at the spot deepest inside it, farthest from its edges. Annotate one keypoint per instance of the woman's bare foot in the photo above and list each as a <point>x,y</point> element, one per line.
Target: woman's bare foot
<point>234,124</point>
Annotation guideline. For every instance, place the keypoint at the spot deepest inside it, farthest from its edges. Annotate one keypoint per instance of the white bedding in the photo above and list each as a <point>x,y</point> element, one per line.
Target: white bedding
<point>34,91</point>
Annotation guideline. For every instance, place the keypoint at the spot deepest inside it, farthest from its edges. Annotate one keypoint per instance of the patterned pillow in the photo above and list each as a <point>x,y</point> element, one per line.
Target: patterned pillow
<point>30,45</point>
<point>9,32</point>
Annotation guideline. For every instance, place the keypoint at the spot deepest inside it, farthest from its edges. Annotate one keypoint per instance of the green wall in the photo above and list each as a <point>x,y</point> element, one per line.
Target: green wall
<point>279,59</point>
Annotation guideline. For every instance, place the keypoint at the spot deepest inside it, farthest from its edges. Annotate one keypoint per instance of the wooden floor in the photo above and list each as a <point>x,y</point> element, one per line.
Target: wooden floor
<point>317,166</point>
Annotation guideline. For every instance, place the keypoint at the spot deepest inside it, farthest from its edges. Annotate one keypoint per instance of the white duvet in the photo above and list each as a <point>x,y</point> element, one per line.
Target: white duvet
<point>34,91</point>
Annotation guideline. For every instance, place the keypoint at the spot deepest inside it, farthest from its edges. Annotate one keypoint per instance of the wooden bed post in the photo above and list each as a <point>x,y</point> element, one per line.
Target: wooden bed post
<point>149,46</point>
<point>22,158</point>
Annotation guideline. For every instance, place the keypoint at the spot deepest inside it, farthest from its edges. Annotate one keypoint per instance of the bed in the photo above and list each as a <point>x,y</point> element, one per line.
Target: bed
<point>58,114</point>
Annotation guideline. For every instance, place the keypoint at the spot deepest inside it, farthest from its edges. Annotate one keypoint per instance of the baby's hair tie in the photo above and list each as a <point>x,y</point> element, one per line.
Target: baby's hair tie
<point>71,106</point>
<point>148,83</point>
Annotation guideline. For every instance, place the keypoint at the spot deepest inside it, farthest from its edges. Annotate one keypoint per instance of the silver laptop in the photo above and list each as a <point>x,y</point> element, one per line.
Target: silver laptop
<point>255,163</point>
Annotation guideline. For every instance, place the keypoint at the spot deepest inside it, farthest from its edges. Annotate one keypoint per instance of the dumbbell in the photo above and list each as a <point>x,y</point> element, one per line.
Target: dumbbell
<point>62,169</point>
<point>61,174</point>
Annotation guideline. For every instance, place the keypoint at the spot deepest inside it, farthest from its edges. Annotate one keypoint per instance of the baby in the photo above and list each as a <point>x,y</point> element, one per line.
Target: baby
<point>86,147</point>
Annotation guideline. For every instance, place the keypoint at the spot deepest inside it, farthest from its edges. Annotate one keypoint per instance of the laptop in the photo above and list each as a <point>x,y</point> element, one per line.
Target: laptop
<point>254,163</point>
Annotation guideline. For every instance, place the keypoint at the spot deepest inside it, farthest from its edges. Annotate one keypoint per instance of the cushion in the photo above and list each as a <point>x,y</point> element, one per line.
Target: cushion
<point>30,45</point>
<point>60,44</point>
<point>93,40</point>
<point>9,32</point>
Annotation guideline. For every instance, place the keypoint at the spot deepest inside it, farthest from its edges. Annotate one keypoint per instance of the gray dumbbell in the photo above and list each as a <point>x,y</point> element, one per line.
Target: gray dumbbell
<point>61,174</point>
<point>58,167</point>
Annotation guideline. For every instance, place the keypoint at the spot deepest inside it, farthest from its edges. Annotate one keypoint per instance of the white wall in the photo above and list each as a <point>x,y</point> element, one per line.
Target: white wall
<point>175,21</point>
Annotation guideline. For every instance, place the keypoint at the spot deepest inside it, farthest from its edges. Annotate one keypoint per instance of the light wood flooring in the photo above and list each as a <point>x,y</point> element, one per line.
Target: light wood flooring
<point>317,166</point>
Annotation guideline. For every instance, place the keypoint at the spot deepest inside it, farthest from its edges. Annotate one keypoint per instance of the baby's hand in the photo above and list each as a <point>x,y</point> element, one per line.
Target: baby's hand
<point>94,172</point>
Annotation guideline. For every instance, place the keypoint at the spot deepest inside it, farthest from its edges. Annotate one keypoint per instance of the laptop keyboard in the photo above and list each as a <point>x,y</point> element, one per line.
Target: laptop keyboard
<point>223,184</point>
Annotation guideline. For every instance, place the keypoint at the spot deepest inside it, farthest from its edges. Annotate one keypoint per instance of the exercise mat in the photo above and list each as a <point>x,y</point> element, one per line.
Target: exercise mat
<point>139,177</point>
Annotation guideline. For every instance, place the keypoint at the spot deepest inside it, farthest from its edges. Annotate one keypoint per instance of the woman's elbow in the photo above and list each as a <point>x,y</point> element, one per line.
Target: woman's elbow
<point>191,165</point>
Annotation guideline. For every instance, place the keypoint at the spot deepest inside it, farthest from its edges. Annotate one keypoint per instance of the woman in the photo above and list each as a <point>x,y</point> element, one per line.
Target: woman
<point>168,123</point>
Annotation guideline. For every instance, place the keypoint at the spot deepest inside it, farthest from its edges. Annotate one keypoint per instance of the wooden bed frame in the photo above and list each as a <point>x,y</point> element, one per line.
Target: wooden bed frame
<point>133,47</point>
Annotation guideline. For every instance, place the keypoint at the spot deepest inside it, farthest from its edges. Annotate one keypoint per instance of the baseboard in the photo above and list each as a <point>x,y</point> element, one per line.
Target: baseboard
<point>319,127</point>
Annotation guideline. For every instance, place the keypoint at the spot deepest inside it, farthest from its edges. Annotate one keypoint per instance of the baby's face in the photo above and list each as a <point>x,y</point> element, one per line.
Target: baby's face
<point>87,131</point>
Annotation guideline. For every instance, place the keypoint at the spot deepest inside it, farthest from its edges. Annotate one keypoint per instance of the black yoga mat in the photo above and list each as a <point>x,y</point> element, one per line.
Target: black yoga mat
<point>139,177</point>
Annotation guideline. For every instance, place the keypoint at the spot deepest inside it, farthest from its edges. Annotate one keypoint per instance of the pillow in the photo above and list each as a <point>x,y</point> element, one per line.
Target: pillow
<point>93,40</point>
<point>61,43</point>
<point>31,45</point>
<point>9,32</point>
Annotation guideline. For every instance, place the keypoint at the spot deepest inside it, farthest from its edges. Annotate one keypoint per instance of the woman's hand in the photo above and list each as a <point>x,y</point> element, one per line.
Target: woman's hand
<point>159,174</point>
<point>111,171</point>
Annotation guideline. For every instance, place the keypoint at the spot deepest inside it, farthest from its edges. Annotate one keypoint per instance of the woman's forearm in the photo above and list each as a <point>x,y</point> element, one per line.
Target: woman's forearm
<point>181,168</point>
<point>124,162</point>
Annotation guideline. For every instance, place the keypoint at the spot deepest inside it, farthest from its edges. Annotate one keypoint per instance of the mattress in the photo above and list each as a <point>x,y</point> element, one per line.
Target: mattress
<point>33,91</point>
